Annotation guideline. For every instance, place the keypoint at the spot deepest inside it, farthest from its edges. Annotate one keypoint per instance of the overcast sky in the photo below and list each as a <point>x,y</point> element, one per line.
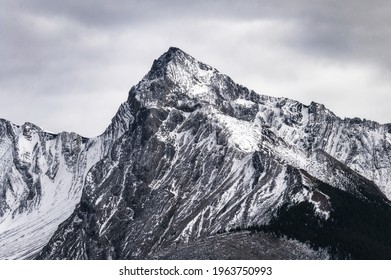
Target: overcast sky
<point>68,65</point>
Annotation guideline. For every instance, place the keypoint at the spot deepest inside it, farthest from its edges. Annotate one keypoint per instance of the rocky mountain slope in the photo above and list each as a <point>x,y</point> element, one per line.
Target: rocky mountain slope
<point>188,156</point>
<point>41,181</point>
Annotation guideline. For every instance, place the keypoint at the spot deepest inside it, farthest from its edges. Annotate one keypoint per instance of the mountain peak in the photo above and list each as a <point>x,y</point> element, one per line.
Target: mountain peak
<point>176,62</point>
<point>174,50</point>
<point>176,77</point>
<point>176,53</point>
<point>159,66</point>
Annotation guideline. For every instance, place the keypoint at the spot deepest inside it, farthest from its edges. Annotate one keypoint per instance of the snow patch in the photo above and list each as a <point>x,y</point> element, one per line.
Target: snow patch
<point>388,137</point>
<point>244,102</point>
<point>244,135</point>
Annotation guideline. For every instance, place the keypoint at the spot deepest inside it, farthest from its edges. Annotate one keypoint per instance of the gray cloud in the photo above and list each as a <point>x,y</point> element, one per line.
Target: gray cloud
<point>67,65</point>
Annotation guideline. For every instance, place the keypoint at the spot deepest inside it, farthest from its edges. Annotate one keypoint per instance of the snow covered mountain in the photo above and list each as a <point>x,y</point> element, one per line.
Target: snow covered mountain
<point>188,156</point>
<point>41,181</point>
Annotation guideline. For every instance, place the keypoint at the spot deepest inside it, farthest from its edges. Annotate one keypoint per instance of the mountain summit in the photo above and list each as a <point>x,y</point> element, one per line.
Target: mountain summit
<point>191,164</point>
<point>160,65</point>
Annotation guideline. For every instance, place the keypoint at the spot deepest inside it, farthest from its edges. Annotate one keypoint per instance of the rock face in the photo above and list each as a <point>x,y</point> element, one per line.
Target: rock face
<point>41,180</point>
<point>189,155</point>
